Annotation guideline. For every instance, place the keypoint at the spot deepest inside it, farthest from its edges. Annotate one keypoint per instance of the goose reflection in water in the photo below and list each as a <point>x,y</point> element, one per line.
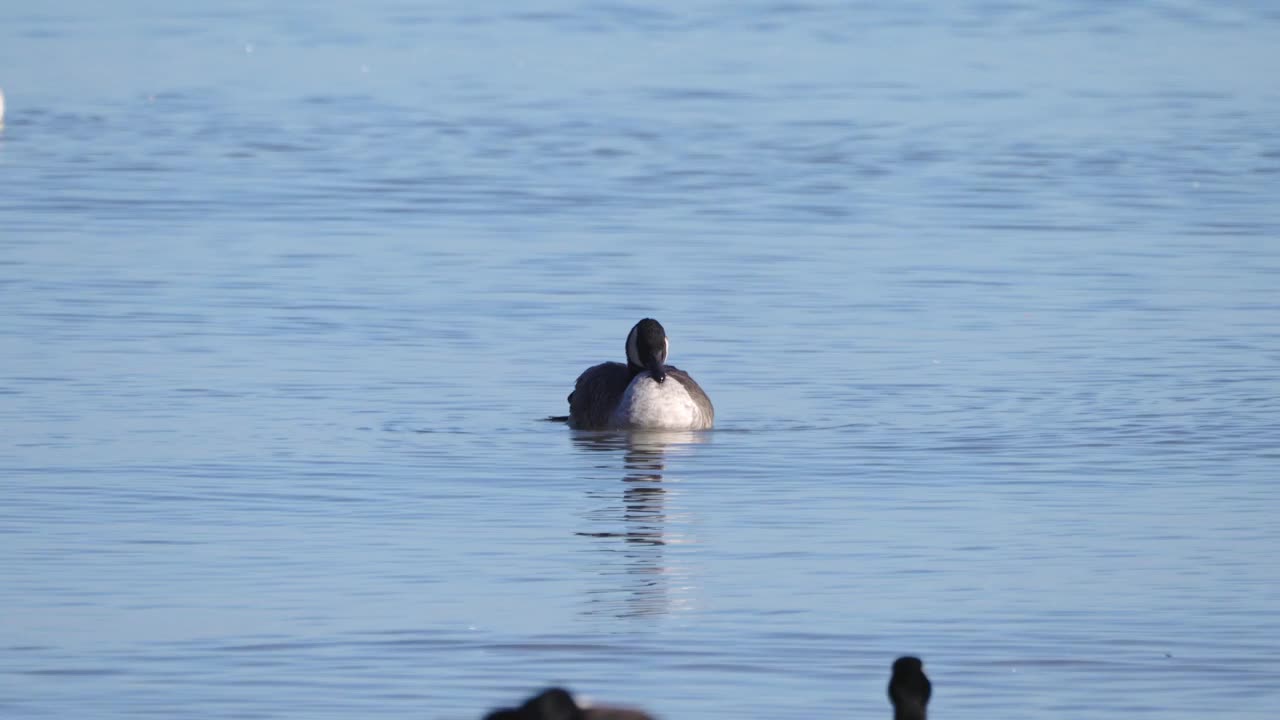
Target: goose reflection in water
<point>636,533</point>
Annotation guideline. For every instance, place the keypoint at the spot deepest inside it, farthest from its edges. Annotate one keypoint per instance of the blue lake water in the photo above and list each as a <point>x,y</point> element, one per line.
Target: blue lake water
<point>987,296</point>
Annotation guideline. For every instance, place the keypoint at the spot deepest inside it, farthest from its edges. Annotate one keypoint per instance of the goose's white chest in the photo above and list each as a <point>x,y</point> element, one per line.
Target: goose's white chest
<point>651,405</point>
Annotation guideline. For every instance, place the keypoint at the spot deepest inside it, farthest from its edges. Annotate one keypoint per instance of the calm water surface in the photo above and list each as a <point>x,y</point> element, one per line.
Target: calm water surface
<point>986,295</point>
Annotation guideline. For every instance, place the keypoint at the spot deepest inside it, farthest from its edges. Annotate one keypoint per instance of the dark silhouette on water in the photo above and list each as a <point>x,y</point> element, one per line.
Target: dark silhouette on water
<point>909,689</point>
<point>557,704</point>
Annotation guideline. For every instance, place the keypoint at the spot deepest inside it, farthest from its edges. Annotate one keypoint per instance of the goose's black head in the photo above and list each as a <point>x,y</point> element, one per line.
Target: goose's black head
<point>909,688</point>
<point>647,349</point>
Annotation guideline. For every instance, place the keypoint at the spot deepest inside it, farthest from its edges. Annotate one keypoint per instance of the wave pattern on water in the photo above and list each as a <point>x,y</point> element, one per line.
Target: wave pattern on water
<point>984,295</point>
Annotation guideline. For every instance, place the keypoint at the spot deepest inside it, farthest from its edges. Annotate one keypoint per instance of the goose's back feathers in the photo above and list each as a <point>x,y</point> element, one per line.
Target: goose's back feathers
<point>597,392</point>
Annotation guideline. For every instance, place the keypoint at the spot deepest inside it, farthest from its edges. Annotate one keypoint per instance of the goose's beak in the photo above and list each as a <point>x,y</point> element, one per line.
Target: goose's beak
<point>655,367</point>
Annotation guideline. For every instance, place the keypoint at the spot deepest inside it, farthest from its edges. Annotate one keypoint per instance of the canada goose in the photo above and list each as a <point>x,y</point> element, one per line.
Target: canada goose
<point>636,395</point>
<point>909,689</point>
<point>557,704</point>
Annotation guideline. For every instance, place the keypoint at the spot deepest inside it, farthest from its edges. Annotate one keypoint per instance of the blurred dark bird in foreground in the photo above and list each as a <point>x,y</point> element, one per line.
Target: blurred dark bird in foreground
<point>909,691</point>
